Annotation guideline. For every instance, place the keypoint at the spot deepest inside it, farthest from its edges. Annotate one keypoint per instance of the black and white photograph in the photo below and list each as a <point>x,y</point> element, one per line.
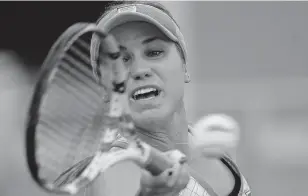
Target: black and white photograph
<point>153,98</point>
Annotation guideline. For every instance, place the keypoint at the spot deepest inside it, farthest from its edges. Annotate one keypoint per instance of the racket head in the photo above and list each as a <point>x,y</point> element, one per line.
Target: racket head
<point>64,118</point>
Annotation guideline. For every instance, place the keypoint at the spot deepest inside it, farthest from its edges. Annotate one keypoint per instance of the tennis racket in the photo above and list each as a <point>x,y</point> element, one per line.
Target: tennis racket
<point>78,110</point>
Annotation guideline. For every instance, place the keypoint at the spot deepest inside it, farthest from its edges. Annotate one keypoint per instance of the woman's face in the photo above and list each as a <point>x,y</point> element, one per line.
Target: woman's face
<point>156,83</point>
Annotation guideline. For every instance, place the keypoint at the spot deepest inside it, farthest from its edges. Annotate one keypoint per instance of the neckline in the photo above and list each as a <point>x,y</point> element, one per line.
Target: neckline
<point>226,161</point>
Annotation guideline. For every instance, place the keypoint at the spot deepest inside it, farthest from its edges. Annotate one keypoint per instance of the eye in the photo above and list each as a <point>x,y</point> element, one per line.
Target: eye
<point>126,58</point>
<point>154,53</point>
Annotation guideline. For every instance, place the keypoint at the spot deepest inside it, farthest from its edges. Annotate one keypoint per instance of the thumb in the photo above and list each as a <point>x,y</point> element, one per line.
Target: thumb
<point>149,181</point>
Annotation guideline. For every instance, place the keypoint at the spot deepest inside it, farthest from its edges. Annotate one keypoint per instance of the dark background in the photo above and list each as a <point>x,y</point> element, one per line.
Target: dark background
<point>30,28</point>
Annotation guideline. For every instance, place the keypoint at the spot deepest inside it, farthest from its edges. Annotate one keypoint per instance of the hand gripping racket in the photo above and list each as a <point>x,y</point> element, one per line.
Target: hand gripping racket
<point>78,109</point>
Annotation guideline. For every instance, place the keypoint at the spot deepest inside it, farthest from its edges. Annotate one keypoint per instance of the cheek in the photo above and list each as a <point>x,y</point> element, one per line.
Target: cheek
<point>174,77</point>
<point>173,67</point>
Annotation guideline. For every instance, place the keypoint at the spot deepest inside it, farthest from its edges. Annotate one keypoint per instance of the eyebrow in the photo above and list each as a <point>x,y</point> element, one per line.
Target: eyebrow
<point>146,41</point>
<point>122,48</point>
<point>152,39</point>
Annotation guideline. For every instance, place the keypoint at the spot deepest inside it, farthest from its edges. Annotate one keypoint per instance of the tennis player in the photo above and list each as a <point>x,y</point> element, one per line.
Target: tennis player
<point>153,46</point>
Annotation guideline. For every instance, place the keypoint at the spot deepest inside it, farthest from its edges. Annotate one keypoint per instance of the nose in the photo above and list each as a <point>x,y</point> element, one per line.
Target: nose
<point>141,74</point>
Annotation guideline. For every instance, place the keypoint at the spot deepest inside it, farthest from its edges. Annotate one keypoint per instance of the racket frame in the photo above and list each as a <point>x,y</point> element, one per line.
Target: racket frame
<point>138,151</point>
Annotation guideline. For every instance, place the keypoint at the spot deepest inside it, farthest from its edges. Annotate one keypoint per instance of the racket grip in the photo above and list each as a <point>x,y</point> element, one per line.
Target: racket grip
<point>158,162</point>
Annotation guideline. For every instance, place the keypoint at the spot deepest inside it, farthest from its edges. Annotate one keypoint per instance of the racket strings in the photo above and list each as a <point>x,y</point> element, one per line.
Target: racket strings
<point>66,83</point>
<point>65,134</point>
<point>73,172</point>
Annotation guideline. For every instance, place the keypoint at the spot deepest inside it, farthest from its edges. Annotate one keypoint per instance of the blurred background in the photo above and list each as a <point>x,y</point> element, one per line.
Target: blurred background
<point>246,59</point>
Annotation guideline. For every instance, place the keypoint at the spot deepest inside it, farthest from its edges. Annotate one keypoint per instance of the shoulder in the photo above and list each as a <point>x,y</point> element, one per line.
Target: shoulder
<point>241,187</point>
<point>222,174</point>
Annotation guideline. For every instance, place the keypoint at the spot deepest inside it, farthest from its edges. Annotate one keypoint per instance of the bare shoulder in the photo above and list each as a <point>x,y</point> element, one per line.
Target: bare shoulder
<point>215,174</point>
<point>222,175</point>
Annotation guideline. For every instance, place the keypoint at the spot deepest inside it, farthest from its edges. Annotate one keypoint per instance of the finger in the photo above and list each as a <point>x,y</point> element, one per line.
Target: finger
<point>180,177</point>
<point>172,174</point>
<point>172,185</point>
<point>165,179</point>
<point>155,181</point>
<point>150,181</point>
<point>176,156</point>
<point>178,174</point>
<point>175,177</point>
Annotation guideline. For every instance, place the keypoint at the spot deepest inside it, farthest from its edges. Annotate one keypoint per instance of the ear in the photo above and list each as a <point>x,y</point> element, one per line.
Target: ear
<point>187,76</point>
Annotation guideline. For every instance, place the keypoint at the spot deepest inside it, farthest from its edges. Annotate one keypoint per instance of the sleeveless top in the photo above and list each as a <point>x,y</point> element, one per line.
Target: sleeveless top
<point>194,188</point>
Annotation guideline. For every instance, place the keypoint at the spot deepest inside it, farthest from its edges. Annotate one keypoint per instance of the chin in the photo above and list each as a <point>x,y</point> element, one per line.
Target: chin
<point>157,117</point>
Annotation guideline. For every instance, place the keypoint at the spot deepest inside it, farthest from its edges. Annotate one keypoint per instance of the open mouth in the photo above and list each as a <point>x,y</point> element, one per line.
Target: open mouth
<point>145,93</point>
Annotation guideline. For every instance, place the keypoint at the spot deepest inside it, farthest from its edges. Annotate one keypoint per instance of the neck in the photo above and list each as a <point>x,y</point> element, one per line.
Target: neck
<point>171,134</point>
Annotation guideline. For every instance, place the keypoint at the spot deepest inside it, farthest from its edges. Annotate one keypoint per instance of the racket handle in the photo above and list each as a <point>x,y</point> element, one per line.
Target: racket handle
<point>158,162</point>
